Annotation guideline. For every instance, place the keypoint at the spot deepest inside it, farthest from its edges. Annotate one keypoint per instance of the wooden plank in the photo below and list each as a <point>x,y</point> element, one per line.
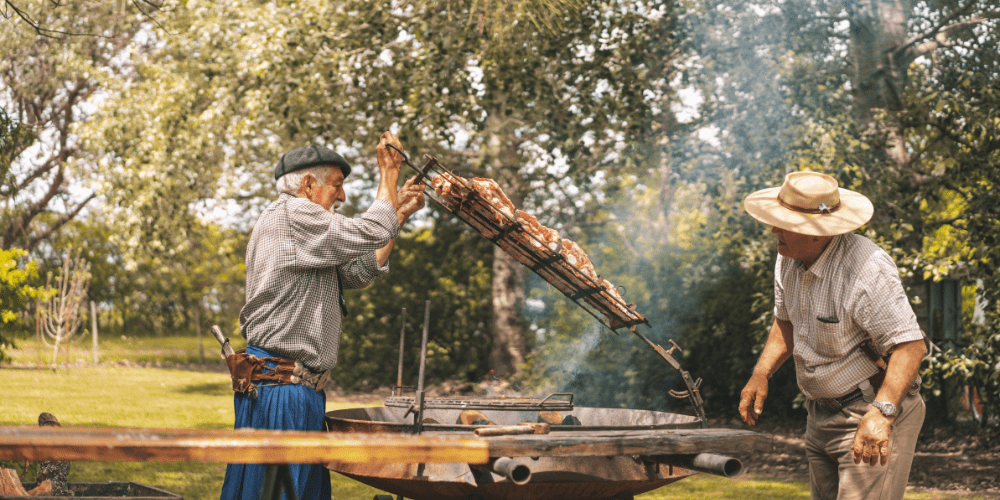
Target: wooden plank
<point>611,443</point>
<point>121,444</point>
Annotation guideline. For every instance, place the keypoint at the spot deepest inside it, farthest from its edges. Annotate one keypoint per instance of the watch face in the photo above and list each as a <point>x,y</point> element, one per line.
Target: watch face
<point>887,409</point>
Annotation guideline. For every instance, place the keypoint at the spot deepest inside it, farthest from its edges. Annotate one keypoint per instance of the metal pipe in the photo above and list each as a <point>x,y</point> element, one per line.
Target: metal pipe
<point>515,472</point>
<point>709,463</point>
<point>402,338</point>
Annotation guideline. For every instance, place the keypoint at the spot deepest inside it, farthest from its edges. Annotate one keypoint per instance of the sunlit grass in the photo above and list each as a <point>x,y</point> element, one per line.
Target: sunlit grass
<point>174,349</point>
<point>137,397</point>
<point>704,486</point>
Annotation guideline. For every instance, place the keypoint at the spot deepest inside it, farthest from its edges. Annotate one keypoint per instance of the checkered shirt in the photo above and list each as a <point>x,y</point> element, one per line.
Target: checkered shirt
<point>851,294</point>
<point>295,251</point>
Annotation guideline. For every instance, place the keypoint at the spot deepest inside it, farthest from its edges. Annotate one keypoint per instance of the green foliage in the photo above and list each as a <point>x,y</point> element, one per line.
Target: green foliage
<point>164,294</point>
<point>16,293</point>
<point>14,137</point>
<point>47,83</point>
<point>976,365</point>
<point>448,264</point>
<point>778,97</point>
<point>241,82</point>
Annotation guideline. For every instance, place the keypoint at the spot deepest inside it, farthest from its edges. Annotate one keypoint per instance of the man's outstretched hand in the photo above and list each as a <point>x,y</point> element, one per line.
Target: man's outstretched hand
<point>752,399</point>
<point>411,199</point>
<point>388,158</point>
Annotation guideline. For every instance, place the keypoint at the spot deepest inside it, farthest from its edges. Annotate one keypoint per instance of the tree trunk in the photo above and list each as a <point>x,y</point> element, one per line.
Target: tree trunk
<point>878,29</point>
<point>503,157</point>
<point>509,346</point>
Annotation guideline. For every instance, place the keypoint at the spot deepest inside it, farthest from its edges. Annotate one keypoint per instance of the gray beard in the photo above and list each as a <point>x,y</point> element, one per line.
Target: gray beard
<point>334,207</point>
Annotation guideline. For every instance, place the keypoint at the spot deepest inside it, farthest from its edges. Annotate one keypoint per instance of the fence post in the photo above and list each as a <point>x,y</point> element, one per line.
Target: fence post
<point>38,332</point>
<point>197,327</point>
<point>93,323</point>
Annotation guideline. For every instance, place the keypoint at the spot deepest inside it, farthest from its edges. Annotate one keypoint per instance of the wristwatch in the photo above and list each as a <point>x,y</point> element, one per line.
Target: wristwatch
<point>887,409</point>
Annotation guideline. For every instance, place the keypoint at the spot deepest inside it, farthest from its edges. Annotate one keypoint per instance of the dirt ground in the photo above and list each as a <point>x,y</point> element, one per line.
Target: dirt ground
<point>946,462</point>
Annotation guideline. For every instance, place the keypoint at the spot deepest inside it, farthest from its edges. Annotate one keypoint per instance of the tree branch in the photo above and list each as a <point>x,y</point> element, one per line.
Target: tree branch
<point>947,133</point>
<point>19,225</point>
<point>943,25</point>
<point>56,34</point>
<point>63,219</point>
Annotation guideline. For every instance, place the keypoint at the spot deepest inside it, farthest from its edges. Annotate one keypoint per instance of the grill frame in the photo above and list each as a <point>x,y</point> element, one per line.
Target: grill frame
<point>485,403</point>
<point>509,234</point>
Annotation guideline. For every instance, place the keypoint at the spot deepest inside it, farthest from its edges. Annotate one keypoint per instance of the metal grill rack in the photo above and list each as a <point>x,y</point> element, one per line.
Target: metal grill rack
<point>473,403</point>
<point>507,232</point>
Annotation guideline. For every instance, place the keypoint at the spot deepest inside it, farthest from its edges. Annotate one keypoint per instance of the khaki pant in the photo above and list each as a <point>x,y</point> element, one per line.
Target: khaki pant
<point>833,475</point>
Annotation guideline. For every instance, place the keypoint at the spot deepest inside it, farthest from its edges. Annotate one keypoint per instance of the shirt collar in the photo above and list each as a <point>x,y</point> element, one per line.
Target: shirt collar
<point>825,260</point>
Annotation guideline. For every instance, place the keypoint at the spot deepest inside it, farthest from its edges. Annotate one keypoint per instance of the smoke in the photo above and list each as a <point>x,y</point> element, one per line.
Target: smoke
<point>671,236</point>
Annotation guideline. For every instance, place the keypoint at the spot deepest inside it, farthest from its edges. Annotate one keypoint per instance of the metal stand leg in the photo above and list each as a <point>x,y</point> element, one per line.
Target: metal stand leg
<point>277,478</point>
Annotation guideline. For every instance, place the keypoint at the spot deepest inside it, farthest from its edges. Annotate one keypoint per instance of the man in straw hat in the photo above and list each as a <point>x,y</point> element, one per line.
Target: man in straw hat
<point>840,311</point>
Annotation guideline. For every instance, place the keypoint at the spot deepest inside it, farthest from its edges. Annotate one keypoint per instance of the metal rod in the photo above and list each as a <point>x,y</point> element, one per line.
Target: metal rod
<point>423,345</point>
<point>693,395</point>
<point>402,338</point>
<point>418,416</point>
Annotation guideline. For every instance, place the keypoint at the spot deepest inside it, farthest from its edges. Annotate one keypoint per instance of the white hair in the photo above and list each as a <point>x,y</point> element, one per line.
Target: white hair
<point>292,181</point>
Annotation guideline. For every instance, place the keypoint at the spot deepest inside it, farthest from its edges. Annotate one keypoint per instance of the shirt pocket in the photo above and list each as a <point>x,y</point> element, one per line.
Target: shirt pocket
<point>828,338</point>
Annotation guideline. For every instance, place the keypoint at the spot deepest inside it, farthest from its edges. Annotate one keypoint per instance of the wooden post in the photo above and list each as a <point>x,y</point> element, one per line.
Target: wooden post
<point>93,324</point>
<point>197,328</point>
<point>38,331</point>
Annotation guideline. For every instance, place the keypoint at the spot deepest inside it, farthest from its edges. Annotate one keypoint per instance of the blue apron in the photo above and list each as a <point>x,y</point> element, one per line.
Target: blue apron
<point>278,407</point>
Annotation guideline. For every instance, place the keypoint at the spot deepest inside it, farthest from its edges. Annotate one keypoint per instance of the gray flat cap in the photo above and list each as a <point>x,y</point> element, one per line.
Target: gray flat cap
<point>309,156</point>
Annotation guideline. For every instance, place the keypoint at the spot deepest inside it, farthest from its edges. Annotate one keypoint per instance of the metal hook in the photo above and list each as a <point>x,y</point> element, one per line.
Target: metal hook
<point>400,151</point>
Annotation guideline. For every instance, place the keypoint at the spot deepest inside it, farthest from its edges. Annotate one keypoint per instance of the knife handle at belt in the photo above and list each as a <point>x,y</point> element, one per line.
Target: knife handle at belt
<point>227,350</point>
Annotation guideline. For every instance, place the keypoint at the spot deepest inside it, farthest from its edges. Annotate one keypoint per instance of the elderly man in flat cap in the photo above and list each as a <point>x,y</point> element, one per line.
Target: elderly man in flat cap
<point>301,256</point>
<point>840,311</point>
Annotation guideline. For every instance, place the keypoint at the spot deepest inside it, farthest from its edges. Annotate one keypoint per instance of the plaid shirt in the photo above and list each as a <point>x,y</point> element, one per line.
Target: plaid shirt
<point>851,294</point>
<point>295,251</point>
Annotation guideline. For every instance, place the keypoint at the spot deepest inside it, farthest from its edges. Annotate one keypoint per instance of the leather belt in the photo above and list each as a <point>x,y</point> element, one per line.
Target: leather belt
<point>249,372</point>
<point>837,404</point>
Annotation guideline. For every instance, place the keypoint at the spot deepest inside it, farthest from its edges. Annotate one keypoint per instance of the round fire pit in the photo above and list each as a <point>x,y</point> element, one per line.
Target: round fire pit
<point>612,454</point>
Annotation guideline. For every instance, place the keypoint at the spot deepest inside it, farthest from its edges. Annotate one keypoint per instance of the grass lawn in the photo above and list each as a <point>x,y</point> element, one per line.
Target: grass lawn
<point>159,397</point>
<point>111,349</point>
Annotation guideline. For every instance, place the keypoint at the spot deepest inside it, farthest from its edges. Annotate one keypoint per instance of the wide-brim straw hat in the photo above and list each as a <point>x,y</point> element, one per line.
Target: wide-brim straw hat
<point>810,203</point>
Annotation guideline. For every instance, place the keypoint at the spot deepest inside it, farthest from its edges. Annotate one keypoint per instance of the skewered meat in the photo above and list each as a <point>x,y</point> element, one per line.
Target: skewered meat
<point>578,259</point>
<point>491,192</point>
<point>542,235</point>
<point>618,299</point>
<point>450,189</point>
<point>456,190</point>
<point>559,261</point>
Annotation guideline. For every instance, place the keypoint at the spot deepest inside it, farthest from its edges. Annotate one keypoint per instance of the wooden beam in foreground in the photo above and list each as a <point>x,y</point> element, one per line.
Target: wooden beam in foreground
<point>121,444</point>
